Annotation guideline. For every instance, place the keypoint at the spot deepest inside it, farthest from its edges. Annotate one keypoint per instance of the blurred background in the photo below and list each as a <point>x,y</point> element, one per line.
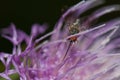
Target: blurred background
<point>24,13</point>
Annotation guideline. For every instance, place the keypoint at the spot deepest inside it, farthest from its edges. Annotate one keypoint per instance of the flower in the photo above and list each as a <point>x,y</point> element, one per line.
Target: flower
<point>93,54</point>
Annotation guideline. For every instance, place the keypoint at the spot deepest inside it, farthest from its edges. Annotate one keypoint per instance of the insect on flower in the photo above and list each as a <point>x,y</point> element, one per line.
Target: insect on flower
<point>74,28</point>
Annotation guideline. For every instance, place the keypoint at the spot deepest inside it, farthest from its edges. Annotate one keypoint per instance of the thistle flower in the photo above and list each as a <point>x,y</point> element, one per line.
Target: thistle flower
<point>94,55</point>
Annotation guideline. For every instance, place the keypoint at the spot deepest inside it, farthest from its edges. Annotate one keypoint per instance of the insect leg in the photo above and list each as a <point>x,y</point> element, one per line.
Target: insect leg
<point>67,49</point>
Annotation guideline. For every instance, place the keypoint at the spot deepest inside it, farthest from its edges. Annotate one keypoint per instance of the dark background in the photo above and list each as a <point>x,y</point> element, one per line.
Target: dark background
<point>24,13</point>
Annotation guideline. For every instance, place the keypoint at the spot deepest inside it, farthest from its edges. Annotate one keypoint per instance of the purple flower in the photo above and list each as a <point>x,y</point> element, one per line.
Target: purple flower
<point>94,53</point>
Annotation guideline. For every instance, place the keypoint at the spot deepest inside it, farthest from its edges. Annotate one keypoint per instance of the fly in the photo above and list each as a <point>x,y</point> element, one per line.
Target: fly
<point>73,29</point>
